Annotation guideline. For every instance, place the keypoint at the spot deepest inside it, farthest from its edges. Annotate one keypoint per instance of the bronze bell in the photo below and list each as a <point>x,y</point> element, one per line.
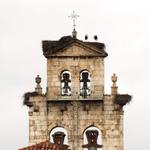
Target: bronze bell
<point>92,136</point>
<point>58,138</point>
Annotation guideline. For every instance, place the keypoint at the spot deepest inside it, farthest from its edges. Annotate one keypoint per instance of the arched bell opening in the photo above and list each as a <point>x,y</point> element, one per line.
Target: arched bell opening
<point>92,139</point>
<point>85,79</point>
<point>65,83</point>
<point>59,135</point>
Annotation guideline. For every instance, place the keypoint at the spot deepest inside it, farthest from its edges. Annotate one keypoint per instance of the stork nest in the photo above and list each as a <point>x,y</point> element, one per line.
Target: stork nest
<point>27,96</point>
<point>123,99</point>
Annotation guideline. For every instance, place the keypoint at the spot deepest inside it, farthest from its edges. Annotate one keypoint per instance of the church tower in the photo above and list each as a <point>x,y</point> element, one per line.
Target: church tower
<point>75,111</point>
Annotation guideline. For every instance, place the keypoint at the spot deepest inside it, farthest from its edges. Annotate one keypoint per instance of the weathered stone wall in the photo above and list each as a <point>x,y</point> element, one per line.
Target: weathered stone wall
<point>38,120</point>
<point>75,116</point>
<point>94,65</point>
<point>79,115</point>
<point>113,125</point>
<point>74,113</point>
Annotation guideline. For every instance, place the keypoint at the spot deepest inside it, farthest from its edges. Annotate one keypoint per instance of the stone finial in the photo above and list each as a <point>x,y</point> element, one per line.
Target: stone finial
<point>74,34</point>
<point>114,88</point>
<point>38,87</point>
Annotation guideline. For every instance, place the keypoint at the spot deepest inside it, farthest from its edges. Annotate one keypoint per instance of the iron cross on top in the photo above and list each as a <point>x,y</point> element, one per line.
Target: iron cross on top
<point>74,16</point>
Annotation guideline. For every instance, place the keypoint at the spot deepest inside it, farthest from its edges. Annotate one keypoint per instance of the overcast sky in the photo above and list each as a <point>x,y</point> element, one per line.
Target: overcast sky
<point>123,25</point>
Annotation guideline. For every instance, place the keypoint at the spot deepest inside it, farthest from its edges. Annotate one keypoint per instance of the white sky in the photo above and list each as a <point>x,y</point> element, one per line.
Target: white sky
<point>123,25</point>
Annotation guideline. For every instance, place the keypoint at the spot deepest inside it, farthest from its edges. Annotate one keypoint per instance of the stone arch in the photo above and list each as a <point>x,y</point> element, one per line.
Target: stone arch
<point>85,85</point>
<point>65,80</point>
<point>57,129</point>
<point>93,129</point>
<point>84,70</point>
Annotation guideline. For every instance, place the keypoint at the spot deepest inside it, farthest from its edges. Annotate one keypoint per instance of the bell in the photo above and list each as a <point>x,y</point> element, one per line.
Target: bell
<point>58,138</point>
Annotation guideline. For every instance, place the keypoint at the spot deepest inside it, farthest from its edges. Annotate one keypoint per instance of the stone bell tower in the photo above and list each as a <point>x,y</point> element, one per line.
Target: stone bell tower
<point>75,111</point>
